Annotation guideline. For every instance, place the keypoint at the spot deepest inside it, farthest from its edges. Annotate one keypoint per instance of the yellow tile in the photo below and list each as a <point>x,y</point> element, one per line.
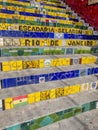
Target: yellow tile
<point>45,95</point>
<point>6,66</point>
<point>66,61</point>
<point>83,60</point>
<point>31,98</point>
<point>77,88</point>
<point>41,63</point>
<point>52,94</point>
<point>59,92</point>
<point>8,103</point>
<point>19,65</point>
<point>13,65</point>
<point>66,92</point>
<point>37,96</point>
<point>71,90</point>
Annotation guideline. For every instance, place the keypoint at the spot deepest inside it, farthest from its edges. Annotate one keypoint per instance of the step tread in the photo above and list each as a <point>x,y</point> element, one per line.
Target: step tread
<point>28,89</point>
<point>39,71</point>
<point>84,121</point>
<point>14,116</point>
<point>44,57</point>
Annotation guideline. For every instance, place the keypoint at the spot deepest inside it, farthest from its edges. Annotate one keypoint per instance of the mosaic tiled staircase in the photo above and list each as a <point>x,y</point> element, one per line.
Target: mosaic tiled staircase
<point>48,64</point>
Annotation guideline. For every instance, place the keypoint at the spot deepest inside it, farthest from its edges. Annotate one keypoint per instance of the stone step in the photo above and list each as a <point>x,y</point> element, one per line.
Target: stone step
<point>45,108</point>
<point>28,89</point>
<point>84,121</point>
<point>25,58</point>
<point>42,71</point>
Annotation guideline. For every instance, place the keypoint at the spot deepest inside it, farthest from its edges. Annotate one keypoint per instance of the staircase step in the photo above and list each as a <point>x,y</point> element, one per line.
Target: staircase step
<point>45,108</point>
<point>25,89</point>
<point>84,121</point>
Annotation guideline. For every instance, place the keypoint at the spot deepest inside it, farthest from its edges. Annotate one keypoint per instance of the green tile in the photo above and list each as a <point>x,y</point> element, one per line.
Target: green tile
<point>85,107</point>
<point>33,127</point>
<point>92,105</point>
<point>16,127</point>
<point>59,113</point>
<point>77,110</point>
<point>46,121</point>
<point>53,116</point>
<point>68,114</point>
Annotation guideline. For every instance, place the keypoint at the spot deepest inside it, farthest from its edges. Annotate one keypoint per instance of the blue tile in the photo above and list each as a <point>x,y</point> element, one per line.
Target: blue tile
<point>45,35</point>
<point>65,36</point>
<point>21,81</point>
<point>90,71</point>
<point>57,75</point>
<point>28,34</point>
<point>75,20</point>
<point>35,34</point>
<point>71,74</point>
<point>52,77</point>
<point>95,70</point>
<point>51,35</point>
<point>11,82</point>
<point>61,75</point>
<point>76,73</point>
<point>7,11</point>
<point>4,83</point>
<point>67,75</point>
<point>36,79</point>
<point>31,80</point>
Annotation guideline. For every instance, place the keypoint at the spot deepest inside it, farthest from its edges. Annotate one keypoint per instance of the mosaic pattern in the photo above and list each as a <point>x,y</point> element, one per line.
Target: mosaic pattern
<point>45,51</point>
<point>14,65</point>
<point>36,79</point>
<point>38,22</point>
<point>54,117</point>
<point>10,103</point>
<point>45,35</point>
